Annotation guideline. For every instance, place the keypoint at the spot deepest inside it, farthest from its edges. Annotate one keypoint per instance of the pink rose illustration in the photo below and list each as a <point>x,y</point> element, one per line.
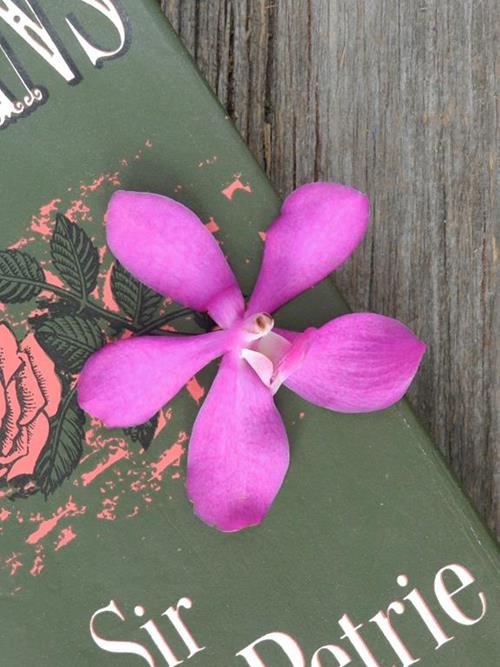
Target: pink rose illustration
<point>30,393</point>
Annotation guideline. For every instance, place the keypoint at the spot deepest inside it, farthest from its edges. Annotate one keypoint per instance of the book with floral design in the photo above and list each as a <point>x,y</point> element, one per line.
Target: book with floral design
<point>370,554</point>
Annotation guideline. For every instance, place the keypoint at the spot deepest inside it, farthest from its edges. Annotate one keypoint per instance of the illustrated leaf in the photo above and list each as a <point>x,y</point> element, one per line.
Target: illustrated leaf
<point>75,256</point>
<point>135,299</point>
<point>144,433</point>
<point>51,309</point>
<point>204,321</point>
<point>21,277</point>
<point>64,448</point>
<point>70,340</point>
<point>21,488</point>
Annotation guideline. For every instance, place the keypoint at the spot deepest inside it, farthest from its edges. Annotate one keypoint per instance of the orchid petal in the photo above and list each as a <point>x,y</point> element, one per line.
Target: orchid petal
<point>294,357</point>
<point>238,454</point>
<point>167,247</point>
<point>357,363</point>
<point>126,382</point>
<point>319,227</point>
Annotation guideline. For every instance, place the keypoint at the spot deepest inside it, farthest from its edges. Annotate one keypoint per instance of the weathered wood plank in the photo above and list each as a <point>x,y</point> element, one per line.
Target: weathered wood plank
<point>397,98</point>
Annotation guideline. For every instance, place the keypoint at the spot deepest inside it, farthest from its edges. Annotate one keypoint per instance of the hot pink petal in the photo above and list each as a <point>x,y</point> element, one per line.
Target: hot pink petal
<point>166,246</point>
<point>125,383</point>
<point>358,363</point>
<point>320,225</point>
<point>238,454</point>
<point>294,358</point>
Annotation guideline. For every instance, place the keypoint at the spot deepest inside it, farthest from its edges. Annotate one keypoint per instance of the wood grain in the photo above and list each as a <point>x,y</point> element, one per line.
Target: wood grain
<point>397,98</point>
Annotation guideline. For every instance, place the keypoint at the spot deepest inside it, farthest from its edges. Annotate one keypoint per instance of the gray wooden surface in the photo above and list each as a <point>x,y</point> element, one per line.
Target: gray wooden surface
<point>397,98</point>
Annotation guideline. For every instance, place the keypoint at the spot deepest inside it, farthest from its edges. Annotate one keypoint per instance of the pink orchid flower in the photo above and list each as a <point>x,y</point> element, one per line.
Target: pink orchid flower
<point>238,452</point>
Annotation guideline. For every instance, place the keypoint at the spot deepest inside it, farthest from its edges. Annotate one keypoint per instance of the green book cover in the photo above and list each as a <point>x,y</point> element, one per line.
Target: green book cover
<point>370,555</point>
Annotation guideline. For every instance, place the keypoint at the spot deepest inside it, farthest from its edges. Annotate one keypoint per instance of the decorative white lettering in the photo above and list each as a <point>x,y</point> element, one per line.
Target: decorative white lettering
<point>109,9</point>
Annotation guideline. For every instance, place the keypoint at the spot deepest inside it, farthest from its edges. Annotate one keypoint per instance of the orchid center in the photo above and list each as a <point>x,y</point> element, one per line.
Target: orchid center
<point>257,326</point>
<point>264,349</point>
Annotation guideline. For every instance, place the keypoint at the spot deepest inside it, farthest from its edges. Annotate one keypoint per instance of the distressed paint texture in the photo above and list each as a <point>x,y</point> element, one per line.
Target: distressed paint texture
<point>127,481</point>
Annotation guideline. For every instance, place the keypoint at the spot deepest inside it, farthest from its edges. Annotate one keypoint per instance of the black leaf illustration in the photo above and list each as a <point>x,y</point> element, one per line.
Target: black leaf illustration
<point>53,309</point>
<point>75,256</point>
<point>69,340</point>
<point>144,433</point>
<point>60,307</point>
<point>21,488</point>
<point>136,300</point>
<point>21,277</point>
<point>63,450</point>
<point>204,321</point>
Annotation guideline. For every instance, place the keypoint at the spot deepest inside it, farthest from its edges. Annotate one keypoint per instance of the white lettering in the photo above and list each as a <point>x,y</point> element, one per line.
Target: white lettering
<point>445,597</point>
<point>425,613</point>
<point>383,622</point>
<point>153,631</point>
<point>112,646</point>
<point>173,615</point>
<point>35,33</point>
<point>357,641</point>
<point>338,653</point>
<point>108,9</point>
<point>288,645</point>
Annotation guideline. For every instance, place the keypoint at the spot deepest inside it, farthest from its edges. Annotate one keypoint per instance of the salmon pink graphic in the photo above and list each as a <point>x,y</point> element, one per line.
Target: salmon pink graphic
<point>62,295</point>
<point>30,394</point>
<point>238,452</point>
<point>42,429</point>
